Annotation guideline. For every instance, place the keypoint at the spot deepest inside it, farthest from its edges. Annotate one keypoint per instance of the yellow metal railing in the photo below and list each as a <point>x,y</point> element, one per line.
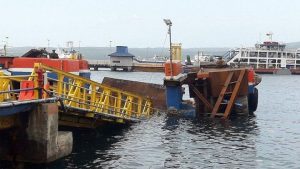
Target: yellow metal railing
<point>5,85</point>
<point>84,94</point>
<point>78,93</point>
<point>9,91</point>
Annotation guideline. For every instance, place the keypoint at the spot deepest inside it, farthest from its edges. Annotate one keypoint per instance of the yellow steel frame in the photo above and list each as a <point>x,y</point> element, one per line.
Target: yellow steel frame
<point>6,86</point>
<point>96,98</point>
<point>84,94</point>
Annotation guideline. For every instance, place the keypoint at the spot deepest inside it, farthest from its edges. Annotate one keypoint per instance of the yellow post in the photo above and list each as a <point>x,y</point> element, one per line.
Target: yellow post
<point>119,102</point>
<point>139,107</point>
<point>84,98</point>
<point>2,88</point>
<point>176,51</point>
<point>93,96</point>
<point>60,84</point>
<point>129,106</point>
<point>35,80</point>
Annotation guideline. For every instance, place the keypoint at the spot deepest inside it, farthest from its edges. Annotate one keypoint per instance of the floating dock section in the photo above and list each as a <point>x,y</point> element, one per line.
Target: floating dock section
<point>214,92</point>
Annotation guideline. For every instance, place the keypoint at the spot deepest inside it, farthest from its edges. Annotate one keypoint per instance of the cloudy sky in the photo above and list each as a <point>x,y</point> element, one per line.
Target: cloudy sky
<point>139,23</point>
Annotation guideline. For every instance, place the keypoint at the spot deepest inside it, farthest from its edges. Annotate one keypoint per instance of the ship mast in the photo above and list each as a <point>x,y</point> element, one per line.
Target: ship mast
<point>5,46</point>
<point>270,35</point>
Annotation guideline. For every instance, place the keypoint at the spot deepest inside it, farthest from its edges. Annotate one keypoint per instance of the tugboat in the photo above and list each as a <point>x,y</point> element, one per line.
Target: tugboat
<point>268,57</point>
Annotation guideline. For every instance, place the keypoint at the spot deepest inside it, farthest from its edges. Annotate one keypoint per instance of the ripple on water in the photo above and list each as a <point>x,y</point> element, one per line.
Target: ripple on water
<point>269,140</point>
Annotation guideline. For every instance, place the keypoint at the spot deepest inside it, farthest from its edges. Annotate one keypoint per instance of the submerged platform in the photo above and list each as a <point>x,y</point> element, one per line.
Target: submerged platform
<point>214,92</point>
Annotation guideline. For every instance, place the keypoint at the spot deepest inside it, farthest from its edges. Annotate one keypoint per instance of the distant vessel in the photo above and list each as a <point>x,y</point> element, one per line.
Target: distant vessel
<point>266,57</point>
<point>200,57</point>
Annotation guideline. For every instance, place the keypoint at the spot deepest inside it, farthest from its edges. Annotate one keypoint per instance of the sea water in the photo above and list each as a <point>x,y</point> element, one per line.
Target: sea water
<point>269,140</point>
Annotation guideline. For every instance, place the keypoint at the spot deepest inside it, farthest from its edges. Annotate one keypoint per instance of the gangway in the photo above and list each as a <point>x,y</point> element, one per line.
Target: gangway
<point>78,96</point>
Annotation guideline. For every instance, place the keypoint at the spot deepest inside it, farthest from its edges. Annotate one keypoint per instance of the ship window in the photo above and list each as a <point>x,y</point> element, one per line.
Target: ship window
<point>262,60</point>
<point>272,61</point>
<point>298,61</point>
<point>116,61</point>
<point>253,54</point>
<point>290,55</point>
<point>262,54</point>
<point>290,62</point>
<point>298,55</point>
<point>244,60</point>
<point>272,55</point>
<point>279,55</point>
<point>253,65</point>
<point>271,66</point>
<point>253,60</point>
<point>261,66</point>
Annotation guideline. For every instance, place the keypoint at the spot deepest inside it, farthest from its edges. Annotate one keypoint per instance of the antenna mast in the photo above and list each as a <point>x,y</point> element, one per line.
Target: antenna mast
<point>270,35</point>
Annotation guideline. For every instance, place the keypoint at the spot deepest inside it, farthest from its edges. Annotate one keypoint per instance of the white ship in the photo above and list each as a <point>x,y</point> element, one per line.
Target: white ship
<point>266,57</point>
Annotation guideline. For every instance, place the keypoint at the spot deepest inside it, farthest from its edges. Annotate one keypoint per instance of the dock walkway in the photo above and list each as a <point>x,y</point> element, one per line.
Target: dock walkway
<point>78,96</point>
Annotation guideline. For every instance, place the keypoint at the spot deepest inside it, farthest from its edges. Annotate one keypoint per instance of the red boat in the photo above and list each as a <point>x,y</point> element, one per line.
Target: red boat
<point>23,65</point>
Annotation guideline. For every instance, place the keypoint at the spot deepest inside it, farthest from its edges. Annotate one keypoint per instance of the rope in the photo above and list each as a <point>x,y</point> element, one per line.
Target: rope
<point>162,50</point>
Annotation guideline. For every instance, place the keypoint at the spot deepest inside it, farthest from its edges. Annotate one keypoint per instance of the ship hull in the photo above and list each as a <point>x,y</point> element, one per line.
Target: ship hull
<point>24,66</point>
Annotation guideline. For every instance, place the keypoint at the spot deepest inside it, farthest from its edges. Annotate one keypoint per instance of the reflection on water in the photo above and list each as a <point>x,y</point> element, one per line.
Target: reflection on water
<point>269,140</point>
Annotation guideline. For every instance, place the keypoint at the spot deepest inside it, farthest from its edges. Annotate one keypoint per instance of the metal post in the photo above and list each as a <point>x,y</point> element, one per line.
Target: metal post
<point>168,22</point>
<point>171,56</point>
<point>4,50</point>
<point>48,44</point>
<point>110,46</point>
<point>40,80</point>
<point>5,46</point>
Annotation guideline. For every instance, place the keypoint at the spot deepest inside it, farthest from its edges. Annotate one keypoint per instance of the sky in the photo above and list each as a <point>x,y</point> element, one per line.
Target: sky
<point>139,23</point>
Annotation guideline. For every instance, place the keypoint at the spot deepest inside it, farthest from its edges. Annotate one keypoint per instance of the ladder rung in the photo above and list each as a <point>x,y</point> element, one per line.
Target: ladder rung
<point>220,114</point>
<point>233,82</point>
<point>228,93</point>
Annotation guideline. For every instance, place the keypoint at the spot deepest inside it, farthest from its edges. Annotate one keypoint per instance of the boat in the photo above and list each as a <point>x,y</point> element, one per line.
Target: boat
<point>268,57</point>
<point>24,65</point>
<point>200,57</point>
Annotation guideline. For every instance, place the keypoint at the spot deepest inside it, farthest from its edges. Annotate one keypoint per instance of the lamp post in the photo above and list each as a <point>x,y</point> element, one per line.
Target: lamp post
<point>5,46</point>
<point>169,24</point>
<point>110,46</point>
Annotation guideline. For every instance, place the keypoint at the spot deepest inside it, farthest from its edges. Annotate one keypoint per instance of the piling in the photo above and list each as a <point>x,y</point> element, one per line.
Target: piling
<point>35,138</point>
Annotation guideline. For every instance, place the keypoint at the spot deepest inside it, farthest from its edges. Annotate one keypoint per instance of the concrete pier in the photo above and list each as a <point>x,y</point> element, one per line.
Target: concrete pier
<point>36,138</point>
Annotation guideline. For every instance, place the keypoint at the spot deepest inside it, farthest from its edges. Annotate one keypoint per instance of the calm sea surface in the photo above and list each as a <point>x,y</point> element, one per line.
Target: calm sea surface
<point>269,140</point>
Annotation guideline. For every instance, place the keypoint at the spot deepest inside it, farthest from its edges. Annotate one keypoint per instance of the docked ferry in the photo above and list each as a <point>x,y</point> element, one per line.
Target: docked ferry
<point>72,63</point>
<point>267,57</point>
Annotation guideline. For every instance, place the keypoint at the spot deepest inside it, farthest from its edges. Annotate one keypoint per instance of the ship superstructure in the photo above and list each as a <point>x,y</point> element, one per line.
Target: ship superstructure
<point>267,55</point>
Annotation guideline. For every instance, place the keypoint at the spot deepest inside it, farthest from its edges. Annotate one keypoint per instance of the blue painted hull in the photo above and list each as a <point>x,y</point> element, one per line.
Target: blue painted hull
<point>85,74</point>
<point>53,75</point>
<point>11,110</point>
